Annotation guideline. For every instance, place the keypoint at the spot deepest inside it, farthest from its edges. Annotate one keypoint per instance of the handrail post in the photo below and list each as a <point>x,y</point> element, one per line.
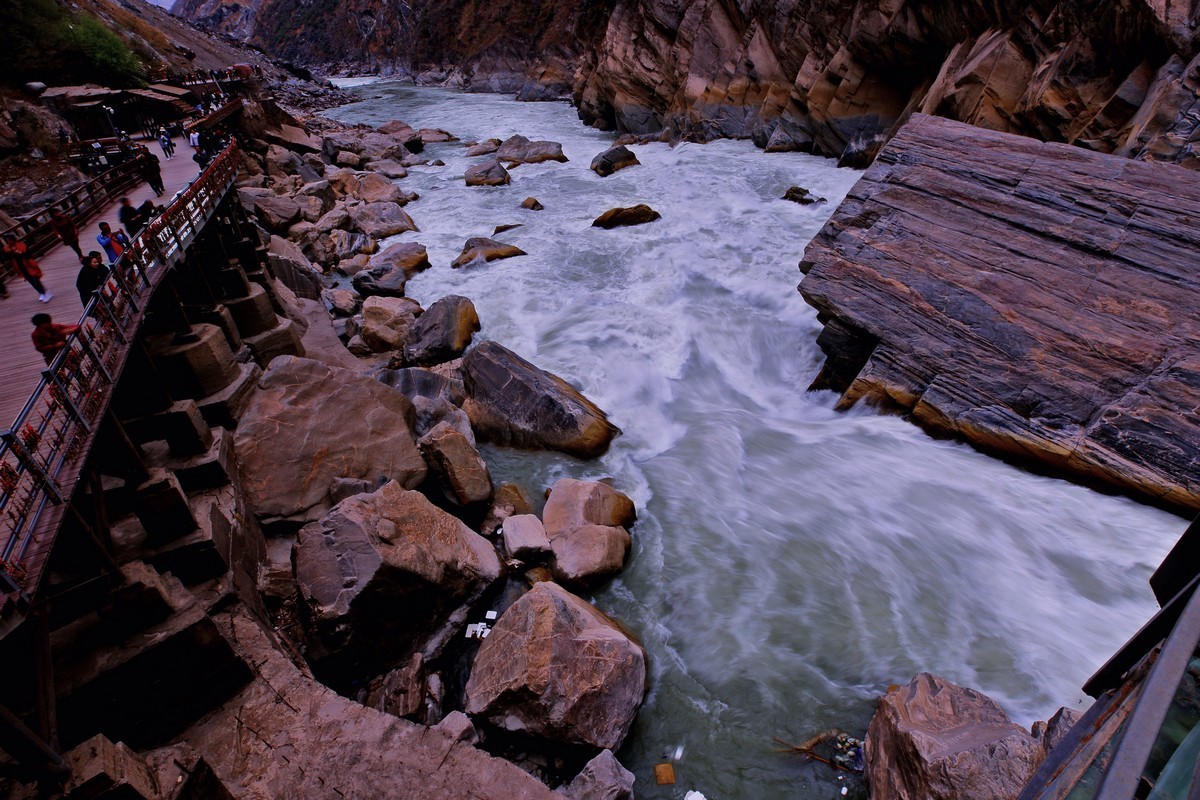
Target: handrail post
<point>30,463</point>
<point>65,398</point>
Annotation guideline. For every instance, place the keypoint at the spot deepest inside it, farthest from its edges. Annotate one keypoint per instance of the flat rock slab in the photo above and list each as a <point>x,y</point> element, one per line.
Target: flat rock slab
<point>1037,300</point>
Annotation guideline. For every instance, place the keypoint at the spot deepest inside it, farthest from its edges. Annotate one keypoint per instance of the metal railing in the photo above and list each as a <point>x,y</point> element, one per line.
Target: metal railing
<point>80,205</point>
<point>41,454</point>
<point>218,114</point>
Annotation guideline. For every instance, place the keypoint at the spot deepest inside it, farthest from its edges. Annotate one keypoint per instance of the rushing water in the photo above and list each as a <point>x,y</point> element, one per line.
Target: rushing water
<point>789,562</point>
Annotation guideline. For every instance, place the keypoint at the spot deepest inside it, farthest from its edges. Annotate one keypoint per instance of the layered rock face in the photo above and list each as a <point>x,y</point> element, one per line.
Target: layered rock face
<point>1033,299</point>
<point>838,77</point>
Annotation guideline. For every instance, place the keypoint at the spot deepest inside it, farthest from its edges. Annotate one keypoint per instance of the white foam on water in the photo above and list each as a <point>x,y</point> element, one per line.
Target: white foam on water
<point>789,561</point>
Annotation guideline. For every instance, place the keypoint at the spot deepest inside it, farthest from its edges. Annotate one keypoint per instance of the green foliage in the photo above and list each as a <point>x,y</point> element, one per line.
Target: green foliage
<point>45,43</point>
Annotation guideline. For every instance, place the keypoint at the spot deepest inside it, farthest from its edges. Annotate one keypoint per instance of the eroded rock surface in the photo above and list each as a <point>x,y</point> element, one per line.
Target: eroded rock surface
<point>933,740</point>
<point>309,424</point>
<point>510,401</point>
<point>555,667</point>
<point>1036,300</point>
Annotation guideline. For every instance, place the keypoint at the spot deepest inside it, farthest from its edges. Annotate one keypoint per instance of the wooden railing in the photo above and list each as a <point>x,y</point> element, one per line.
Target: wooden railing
<point>43,451</point>
<point>219,114</point>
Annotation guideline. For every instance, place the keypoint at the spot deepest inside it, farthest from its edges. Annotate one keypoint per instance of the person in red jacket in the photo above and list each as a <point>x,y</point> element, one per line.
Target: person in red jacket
<point>24,265</point>
<point>49,337</point>
<point>64,226</point>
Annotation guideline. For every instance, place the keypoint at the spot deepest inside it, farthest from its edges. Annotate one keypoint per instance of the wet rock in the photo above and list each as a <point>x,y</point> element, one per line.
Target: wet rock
<point>798,194</point>
<point>610,161</point>
<point>933,739</point>
<point>387,322</point>
<point>507,501</point>
<point>461,471</point>
<point>408,257</point>
<point>341,302</point>
<point>337,217</point>
<point>995,329</point>
<point>502,228</point>
<point>555,667</point>
<point>512,402</point>
<point>484,148</point>
<point>443,332</point>
<point>400,692</point>
<point>586,524</point>
<point>519,150</point>
<point>373,554</point>
<point>525,537</point>
<point>382,281</point>
<point>602,778</point>
<point>532,204</point>
<point>345,158</point>
<point>620,217</point>
<point>380,220</point>
<point>482,249</point>
<point>293,268</point>
<point>388,168</point>
<point>490,173</point>
<point>434,135</point>
<point>414,382</point>
<point>346,244</point>
<point>309,424</point>
<point>404,134</point>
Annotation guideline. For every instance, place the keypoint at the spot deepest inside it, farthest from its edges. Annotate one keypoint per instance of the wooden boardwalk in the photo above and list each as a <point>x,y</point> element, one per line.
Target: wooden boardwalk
<point>22,365</point>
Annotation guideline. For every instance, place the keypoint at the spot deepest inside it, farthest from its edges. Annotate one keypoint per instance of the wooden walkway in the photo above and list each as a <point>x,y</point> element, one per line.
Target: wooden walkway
<point>22,365</point>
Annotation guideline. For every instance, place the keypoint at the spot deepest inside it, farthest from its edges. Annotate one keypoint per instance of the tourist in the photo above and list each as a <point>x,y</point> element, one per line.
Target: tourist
<point>194,139</point>
<point>25,265</point>
<point>131,218</point>
<point>91,276</point>
<point>167,145</point>
<point>113,242</point>
<point>49,338</point>
<point>64,226</point>
<point>152,173</point>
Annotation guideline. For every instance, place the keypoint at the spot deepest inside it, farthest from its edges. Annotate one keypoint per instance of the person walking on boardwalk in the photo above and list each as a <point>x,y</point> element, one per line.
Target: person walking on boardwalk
<point>49,337</point>
<point>64,226</point>
<point>131,218</point>
<point>25,265</point>
<point>151,173</point>
<point>91,276</point>
<point>113,242</point>
<point>168,146</point>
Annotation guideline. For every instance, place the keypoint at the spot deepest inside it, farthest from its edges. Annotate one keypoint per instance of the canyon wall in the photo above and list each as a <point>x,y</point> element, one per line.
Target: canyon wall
<point>835,78</point>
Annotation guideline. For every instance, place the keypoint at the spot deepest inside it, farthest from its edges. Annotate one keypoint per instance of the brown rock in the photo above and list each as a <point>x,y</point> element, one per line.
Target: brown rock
<point>432,135</point>
<point>798,194</point>
<point>276,213</point>
<point>443,332</point>
<point>460,469</point>
<point>341,302</point>
<point>933,740</point>
<point>610,161</point>
<point>532,204</point>
<point>400,692</point>
<point>346,244</point>
<point>619,217</point>
<point>387,322</point>
<point>380,220</point>
<point>489,173</point>
<point>1037,323</point>
<point>508,500</point>
<point>586,524</point>
<point>525,537</point>
<point>410,257</point>
<point>519,150</point>
<point>510,401</point>
<point>555,667</point>
<point>602,778</point>
<point>375,553</point>
<point>309,424</point>
<point>388,168</point>
<point>480,248</point>
<point>486,147</point>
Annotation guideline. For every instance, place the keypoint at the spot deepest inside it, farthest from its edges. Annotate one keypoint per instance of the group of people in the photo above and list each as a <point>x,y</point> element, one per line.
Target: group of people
<point>207,144</point>
<point>50,337</point>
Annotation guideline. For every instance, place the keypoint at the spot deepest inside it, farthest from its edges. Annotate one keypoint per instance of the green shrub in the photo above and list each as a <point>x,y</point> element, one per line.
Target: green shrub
<point>47,44</point>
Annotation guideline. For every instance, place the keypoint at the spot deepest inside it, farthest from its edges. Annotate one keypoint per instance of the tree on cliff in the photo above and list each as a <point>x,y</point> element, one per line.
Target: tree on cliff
<point>46,43</point>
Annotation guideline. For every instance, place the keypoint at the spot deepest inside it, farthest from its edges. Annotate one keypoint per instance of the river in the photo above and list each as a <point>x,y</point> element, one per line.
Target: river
<point>789,561</point>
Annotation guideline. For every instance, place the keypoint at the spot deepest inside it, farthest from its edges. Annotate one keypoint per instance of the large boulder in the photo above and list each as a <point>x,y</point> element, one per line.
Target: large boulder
<point>612,160</point>
<point>602,778</point>
<point>934,740</point>
<point>479,248</point>
<point>380,220</point>
<point>293,268</point>
<point>586,523</point>
<point>347,244</point>
<point>310,424</point>
<point>276,213</point>
<point>486,147</point>
<point>555,667</point>
<point>382,572</point>
<point>410,257</point>
<point>621,217</point>
<point>461,471</point>
<point>387,322</point>
<point>489,173</point>
<point>519,150</point>
<point>443,332</point>
<point>512,402</point>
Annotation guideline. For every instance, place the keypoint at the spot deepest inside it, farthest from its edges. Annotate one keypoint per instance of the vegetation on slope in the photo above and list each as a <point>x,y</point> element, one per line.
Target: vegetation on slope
<point>46,43</point>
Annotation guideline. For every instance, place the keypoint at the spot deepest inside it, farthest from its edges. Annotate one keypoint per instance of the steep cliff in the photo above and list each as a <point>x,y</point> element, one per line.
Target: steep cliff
<point>835,77</point>
<point>838,77</point>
